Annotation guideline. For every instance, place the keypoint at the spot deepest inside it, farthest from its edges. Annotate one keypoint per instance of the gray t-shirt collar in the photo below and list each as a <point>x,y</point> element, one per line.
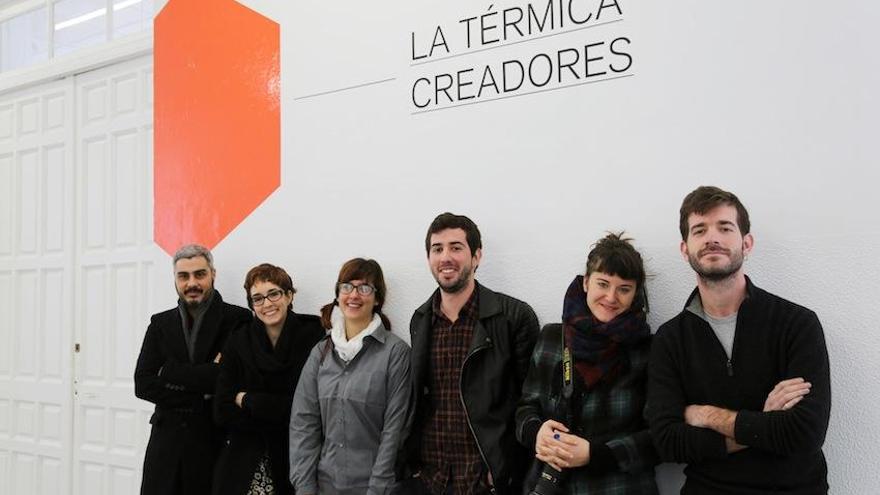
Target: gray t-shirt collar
<point>724,328</point>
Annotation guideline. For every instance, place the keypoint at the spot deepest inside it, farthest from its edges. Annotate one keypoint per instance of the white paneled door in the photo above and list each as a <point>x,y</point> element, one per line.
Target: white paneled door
<point>36,289</point>
<point>78,281</point>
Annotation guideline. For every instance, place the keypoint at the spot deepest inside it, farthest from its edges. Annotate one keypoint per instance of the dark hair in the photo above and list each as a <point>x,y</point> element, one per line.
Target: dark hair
<point>451,221</point>
<point>359,269</point>
<point>615,255</point>
<point>703,199</point>
<point>268,273</point>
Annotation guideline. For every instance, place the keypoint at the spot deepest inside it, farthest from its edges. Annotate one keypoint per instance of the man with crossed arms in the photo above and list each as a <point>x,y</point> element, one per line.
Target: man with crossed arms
<point>739,384</point>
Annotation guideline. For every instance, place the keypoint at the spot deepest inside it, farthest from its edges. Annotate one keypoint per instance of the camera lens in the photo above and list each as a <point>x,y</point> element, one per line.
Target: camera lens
<point>549,482</point>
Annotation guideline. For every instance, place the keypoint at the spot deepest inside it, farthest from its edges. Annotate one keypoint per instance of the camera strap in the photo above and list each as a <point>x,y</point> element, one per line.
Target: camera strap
<point>567,370</point>
<point>572,393</point>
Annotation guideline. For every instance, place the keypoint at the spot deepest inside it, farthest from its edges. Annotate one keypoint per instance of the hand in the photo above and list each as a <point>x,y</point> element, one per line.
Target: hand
<point>575,451</point>
<point>786,394</point>
<point>732,446</point>
<point>239,398</point>
<point>217,358</point>
<point>546,442</point>
<point>560,449</point>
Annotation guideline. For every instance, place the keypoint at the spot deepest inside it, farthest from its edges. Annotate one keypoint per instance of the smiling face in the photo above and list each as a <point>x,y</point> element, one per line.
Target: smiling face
<point>715,248</point>
<point>194,279</point>
<point>356,307</point>
<point>608,295</point>
<point>451,260</point>
<point>271,313</point>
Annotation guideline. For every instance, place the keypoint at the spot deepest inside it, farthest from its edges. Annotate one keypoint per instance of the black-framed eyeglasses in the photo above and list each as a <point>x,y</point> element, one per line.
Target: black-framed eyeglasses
<point>363,289</point>
<point>273,295</point>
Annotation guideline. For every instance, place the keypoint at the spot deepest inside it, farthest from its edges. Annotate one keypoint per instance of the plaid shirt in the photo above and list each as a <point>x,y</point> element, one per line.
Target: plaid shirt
<point>449,451</point>
<point>611,414</point>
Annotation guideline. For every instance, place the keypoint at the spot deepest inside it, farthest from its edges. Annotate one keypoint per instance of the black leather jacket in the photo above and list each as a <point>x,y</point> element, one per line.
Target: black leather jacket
<point>492,377</point>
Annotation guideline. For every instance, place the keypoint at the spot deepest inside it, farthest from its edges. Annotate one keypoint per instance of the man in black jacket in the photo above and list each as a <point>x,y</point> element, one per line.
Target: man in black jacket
<point>177,370</point>
<point>471,351</point>
<point>739,385</point>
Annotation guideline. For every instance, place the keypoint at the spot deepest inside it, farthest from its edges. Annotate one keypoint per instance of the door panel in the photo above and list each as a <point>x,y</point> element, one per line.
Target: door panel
<point>77,267</point>
<point>116,259</point>
<point>36,288</point>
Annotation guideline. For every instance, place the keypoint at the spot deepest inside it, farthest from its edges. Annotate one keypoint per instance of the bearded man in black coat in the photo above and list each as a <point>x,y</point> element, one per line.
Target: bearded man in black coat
<point>177,370</point>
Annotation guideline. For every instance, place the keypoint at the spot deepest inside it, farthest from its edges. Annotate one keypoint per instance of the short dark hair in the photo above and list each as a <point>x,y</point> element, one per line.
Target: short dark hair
<point>448,220</point>
<point>614,254</point>
<point>359,269</point>
<point>268,273</point>
<point>705,198</point>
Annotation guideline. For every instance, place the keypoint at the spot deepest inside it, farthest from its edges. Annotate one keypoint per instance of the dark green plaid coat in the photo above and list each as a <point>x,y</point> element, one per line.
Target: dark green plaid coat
<point>611,416</point>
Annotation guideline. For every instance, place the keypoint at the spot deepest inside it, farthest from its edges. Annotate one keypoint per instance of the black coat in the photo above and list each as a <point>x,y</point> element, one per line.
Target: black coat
<point>183,435</point>
<point>491,383</point>
<point>268,377</point>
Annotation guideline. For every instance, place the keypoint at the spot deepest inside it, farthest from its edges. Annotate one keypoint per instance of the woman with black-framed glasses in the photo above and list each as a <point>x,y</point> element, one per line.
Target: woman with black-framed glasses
<point>350,406</point>
<point>259,369</point>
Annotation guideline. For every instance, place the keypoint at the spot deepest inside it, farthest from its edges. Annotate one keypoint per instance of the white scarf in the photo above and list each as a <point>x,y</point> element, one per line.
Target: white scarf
<point>348,349</point>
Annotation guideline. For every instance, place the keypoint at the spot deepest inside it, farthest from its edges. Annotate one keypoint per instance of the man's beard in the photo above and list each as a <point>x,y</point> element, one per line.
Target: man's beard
<point>716,273</point>
<point>458,284</point>
<point>193,304</point>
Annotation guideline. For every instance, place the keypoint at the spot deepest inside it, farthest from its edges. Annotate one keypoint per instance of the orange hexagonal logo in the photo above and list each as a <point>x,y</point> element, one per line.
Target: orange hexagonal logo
<point>217,119</point>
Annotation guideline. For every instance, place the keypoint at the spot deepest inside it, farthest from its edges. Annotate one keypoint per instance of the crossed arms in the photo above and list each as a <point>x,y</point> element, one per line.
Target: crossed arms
<point>785,395</point>
<point>793,419</point>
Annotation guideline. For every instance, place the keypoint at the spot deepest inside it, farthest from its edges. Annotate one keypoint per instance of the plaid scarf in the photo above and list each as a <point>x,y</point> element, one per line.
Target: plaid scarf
<point>599,349</point>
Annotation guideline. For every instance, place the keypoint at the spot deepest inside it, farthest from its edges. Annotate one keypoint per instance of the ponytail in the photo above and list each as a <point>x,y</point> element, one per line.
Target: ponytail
<point>385,321</point>
<point>326,311</point>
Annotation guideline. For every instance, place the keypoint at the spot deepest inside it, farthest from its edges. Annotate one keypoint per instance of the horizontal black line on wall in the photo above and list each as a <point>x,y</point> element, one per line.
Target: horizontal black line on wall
<point>338,90</point>
<point>544,90</point>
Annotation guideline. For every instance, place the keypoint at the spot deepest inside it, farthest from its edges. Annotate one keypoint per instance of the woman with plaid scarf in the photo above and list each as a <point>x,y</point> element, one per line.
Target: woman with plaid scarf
<point>582,405</point>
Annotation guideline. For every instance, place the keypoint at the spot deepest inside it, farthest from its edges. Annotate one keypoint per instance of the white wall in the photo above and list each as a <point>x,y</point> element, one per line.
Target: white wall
<point>775,101</point>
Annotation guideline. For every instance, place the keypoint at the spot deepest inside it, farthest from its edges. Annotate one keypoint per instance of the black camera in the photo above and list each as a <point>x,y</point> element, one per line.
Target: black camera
<point>550,481</point>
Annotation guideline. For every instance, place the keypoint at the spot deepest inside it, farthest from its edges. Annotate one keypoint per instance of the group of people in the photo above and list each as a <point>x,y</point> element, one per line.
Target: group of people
<point>483,401</point>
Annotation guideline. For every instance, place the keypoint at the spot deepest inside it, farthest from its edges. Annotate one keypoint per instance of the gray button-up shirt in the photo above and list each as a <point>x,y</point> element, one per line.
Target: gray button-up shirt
<point>347,420</point>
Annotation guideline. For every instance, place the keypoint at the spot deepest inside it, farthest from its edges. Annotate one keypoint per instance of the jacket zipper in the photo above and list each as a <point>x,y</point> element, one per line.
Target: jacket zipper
<point>733,345</point>
<point>729,361</point>
<point>467,415</point>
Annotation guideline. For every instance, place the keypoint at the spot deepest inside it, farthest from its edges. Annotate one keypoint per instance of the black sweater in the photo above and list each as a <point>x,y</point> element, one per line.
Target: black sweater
<point>775,340</point>
<point>269,377</point>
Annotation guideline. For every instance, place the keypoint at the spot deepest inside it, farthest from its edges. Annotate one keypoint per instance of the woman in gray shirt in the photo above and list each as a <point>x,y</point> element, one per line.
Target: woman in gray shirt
<point>350,406</point>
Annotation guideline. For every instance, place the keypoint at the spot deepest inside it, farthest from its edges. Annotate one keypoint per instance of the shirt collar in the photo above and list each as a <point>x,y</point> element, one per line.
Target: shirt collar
<point>469,310</point>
